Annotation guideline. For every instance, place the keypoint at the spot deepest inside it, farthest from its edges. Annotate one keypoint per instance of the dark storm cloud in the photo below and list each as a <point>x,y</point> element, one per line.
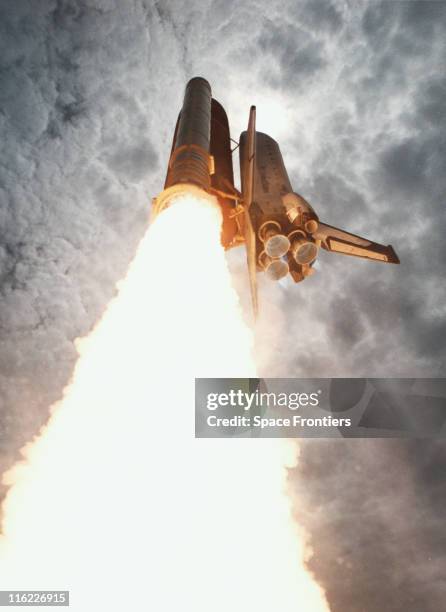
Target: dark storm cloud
<point>132,162</point>
<point>336,196</point>
<point>414,169</point>
<point>298,45</point>
<point>403,167</point>
<point>420,19</point>
<point>319,15</point>
<point>412,173</point>
<point>345,325</point>
<point>294,53</point>
<point>89,94</point>
<point>376,513</point>
<point>431,108</point>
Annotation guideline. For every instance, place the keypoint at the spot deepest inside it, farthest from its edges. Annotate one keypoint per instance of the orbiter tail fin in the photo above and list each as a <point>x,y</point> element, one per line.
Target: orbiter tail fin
<point>248,168</point>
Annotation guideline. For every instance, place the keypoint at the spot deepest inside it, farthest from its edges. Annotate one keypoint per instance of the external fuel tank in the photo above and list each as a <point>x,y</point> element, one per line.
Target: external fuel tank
<point>222,180</point>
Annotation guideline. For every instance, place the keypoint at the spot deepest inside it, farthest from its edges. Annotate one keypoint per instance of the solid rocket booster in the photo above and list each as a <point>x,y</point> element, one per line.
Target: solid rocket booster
<point>200,161</point>
<point>190,158</point>
<point>190,163</point>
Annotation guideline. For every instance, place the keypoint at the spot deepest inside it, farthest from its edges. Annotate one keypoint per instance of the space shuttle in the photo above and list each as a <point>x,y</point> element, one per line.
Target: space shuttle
<point>280,230</point>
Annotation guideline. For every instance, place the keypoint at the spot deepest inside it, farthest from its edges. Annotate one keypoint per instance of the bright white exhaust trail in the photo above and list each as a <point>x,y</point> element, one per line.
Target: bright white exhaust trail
<point>116,501</point>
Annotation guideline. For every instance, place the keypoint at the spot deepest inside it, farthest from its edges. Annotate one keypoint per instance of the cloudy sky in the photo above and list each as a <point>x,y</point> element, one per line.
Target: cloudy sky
<point>354,92</point>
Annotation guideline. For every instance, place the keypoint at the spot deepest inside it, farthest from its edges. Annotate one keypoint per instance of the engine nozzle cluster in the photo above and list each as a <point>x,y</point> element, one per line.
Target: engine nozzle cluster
<point>298,244</point>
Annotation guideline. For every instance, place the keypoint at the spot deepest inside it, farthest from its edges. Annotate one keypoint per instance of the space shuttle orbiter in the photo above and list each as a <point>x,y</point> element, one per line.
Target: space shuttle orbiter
<point>280,229</point>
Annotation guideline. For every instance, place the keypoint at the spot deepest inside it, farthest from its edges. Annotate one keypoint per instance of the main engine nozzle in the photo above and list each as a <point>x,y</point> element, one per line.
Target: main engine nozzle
<point>276,244</point>
<point>274,269</point>
<point>303,250</point>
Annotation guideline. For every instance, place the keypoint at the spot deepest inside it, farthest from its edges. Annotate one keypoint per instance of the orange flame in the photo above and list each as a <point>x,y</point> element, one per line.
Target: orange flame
<point>116,501</point>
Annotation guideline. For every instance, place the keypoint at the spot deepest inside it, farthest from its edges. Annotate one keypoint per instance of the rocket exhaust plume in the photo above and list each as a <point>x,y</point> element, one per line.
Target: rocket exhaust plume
<point>115,500</point>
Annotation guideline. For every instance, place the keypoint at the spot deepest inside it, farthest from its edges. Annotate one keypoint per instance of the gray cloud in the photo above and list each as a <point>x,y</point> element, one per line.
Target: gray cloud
<point>291,54</point>
<point>89,97</point>
<point>319,15</point>
<point>381,548</point>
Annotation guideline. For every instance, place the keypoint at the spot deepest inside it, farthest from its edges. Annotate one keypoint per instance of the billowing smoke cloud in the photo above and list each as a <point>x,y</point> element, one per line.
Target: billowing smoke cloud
<point>375,512</point>
<point>354,92</point>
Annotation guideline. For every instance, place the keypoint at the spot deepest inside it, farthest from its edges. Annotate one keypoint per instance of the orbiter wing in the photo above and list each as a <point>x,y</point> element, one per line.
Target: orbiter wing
<point>339,241</point>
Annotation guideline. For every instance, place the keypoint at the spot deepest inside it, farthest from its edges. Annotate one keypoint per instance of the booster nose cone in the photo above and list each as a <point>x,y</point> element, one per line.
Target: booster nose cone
<point>277,245</point>
<point>276,269</point>
<point>304,251</point>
